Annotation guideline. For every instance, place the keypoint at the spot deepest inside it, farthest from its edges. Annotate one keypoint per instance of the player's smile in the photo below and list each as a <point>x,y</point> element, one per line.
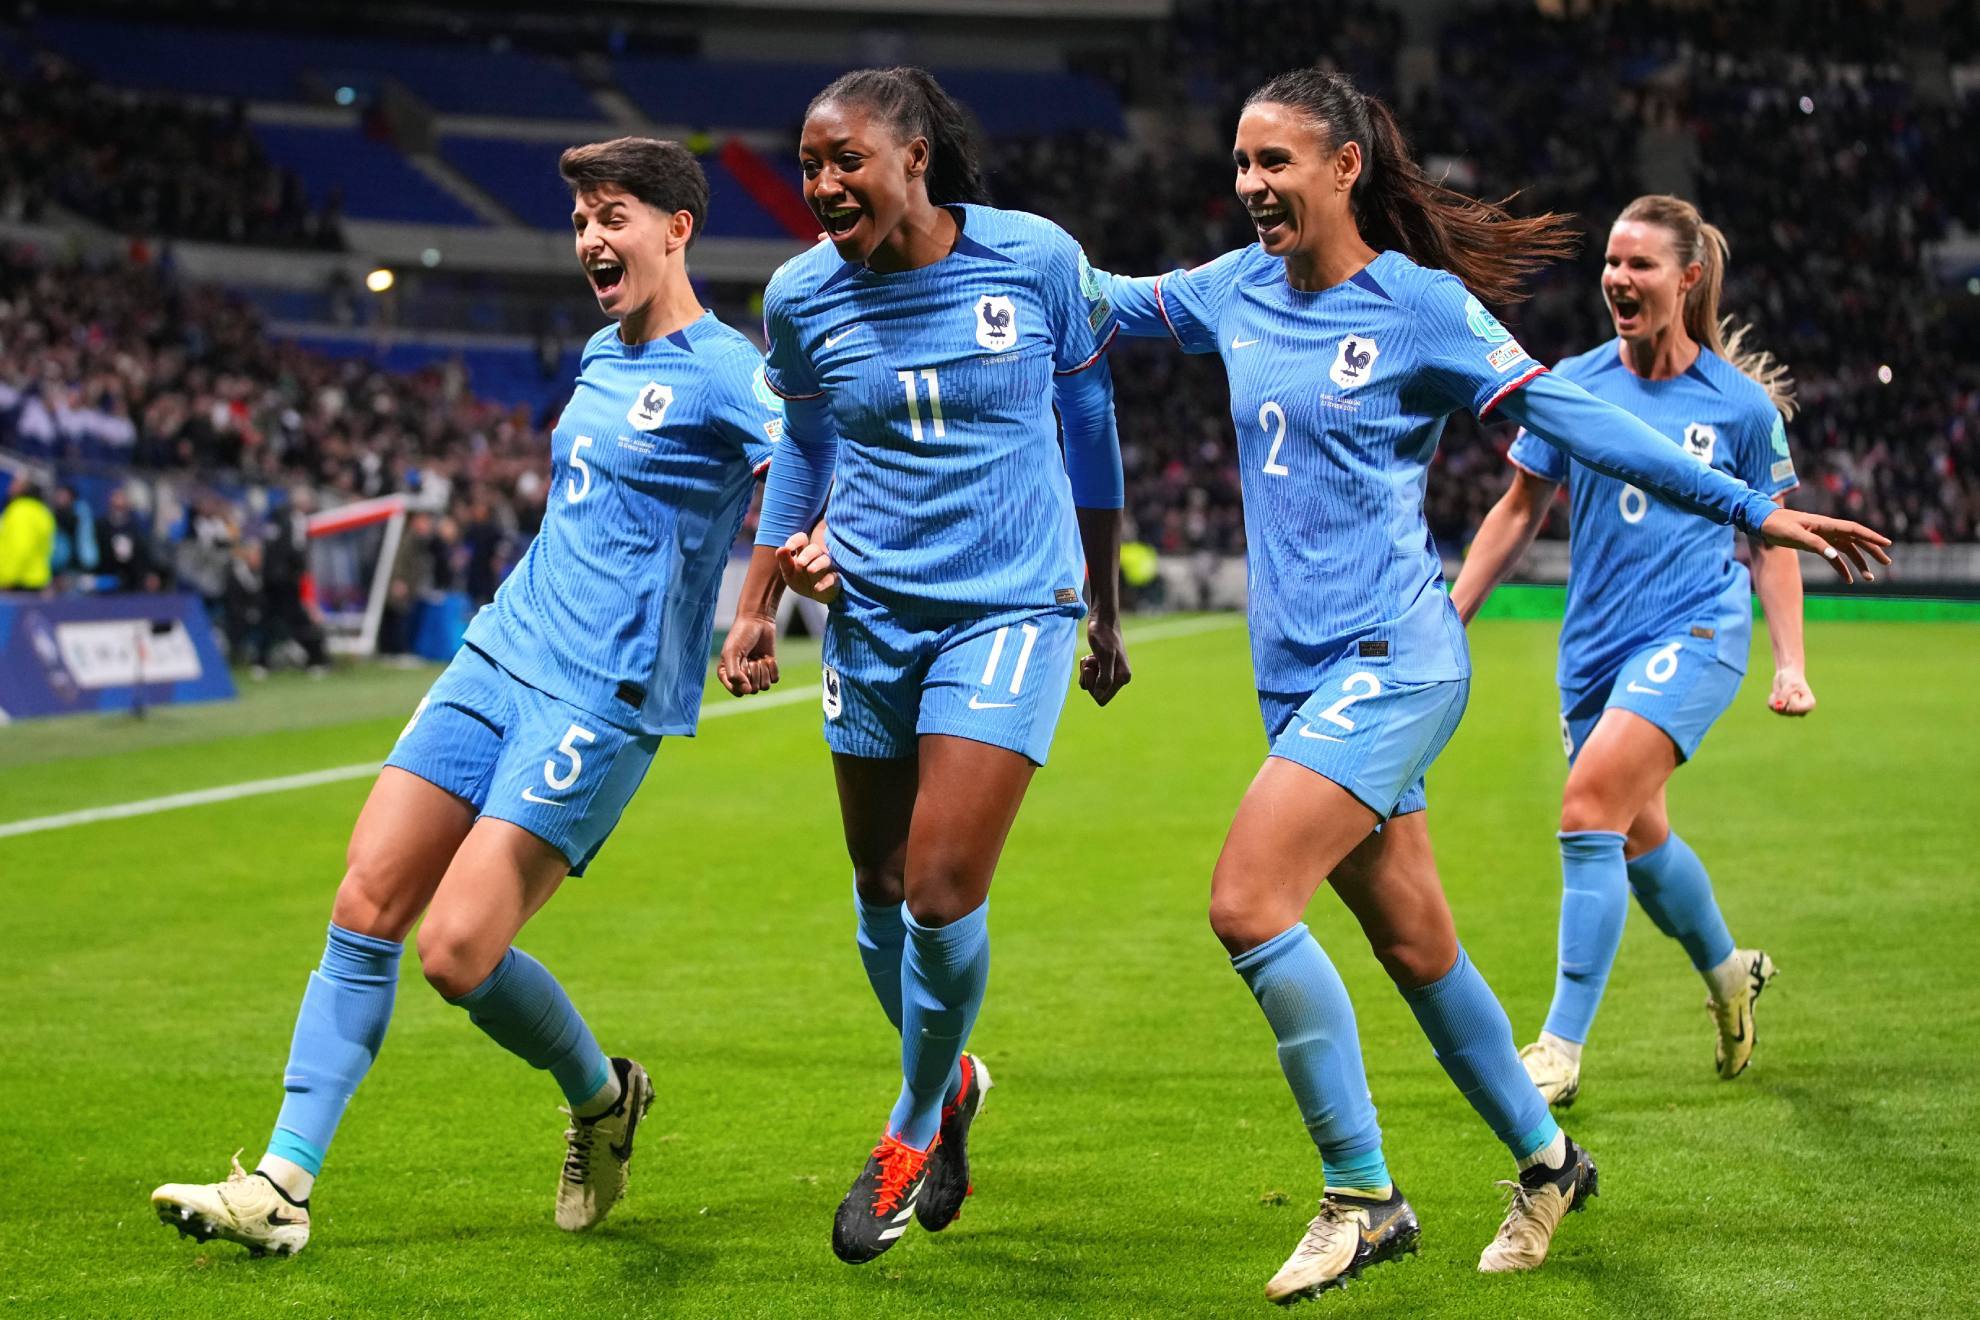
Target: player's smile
<point>1280,166</point>
<point>613,232</point>
<point>854,178</point>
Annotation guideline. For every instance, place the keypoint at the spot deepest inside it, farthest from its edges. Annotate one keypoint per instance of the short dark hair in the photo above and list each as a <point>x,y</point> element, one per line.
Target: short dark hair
<point>664,175</point>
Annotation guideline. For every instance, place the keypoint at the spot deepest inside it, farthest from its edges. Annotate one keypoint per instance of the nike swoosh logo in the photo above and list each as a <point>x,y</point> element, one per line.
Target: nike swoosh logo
<point>1242,343</point>
<point>978,703</point>
<point>1635,686</point>
<point>529,795</point>
<point>1306,731</point>
<point>833,339</point>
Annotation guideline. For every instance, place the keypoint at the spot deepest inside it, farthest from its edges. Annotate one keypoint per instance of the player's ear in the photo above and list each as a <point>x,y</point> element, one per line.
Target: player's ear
<point>1347,165</point>
<point>917,156</point>
<point>680,228</point>
<point>1688,278</point>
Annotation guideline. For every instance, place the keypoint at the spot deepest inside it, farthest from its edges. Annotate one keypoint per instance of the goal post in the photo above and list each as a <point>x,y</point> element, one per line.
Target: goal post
<point>352,549</point>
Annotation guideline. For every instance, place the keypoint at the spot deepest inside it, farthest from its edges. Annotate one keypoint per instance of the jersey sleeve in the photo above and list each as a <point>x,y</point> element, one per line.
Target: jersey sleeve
<point>1470,359</point>
<point>787,371</point>
<point>1535,455</point>
<point>1765,462</point>
<point>1082,315</point>
<point>1184,305</point>
<point>751,410</point>
<point>1613,441</point>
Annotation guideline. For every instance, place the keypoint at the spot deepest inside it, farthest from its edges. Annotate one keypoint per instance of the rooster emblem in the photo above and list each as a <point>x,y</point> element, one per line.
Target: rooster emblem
<point>996,322</point>
<point>1354,361</point>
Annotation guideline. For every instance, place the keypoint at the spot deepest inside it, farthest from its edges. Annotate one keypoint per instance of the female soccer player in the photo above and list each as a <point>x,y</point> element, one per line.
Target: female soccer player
<point>518,763</point>
<point>1655,639</point>
<point>1348,335</point>
<point>920,353</point>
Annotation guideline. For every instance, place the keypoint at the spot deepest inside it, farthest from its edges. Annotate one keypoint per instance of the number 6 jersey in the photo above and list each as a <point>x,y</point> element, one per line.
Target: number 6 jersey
<point>651,467</point>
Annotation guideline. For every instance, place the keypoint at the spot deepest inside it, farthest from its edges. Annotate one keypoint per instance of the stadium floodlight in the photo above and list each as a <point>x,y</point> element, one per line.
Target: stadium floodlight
<point>380,280</point>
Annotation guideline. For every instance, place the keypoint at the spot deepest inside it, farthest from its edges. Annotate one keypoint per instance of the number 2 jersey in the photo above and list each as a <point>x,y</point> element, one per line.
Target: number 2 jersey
<point>1339,398</point>
<point>1642,571</point>
<point>652,463</point>
<point>924,401</point>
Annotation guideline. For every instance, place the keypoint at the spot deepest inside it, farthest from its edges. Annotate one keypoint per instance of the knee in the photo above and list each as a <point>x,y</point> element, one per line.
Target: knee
<point>1584,807</point>
<point>451,958</point>
<point>878,883</point>
<point>943,890</point>
<point>373,898</point>
<point>1241,921</point>
<point>1413,964</point>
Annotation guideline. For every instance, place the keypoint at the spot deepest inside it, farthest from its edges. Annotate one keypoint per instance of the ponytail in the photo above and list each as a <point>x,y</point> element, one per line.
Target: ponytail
<point>1696,240</point>
<point>1396,205</point>
<point>914,103</point>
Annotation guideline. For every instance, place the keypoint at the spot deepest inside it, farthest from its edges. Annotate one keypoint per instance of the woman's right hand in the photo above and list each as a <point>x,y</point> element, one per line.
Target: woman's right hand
<point>749,655</point>
<point>806,566</point>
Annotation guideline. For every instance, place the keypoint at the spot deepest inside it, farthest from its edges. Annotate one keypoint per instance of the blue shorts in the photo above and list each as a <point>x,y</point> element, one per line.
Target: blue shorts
<point>1678,684</point>
<point>1374,737</point>
<point>891,676</point>
<point>518,754</point>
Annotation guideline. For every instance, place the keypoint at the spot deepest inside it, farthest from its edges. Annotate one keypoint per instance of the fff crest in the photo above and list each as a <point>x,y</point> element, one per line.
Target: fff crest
<point>996,322</point>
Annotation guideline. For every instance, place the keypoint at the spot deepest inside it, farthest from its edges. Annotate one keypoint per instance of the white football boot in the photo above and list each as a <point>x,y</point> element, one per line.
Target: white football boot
<point>247,1208</point>
<point>598,1152</point>
<point>1556,1075</point>
<point>1735,1020</point>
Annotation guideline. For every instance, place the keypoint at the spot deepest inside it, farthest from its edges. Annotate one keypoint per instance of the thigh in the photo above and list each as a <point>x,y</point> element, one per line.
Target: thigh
<point>1002,680</point>
<point>876,806</point>
<point>1390,883</point>
<point>1292,829</point>
<point>404,839</point>
<point>873,665</point>
<point>1373,736</point>
<point>565,775</point>
<point>966,798</point>
<point>1617,772</point>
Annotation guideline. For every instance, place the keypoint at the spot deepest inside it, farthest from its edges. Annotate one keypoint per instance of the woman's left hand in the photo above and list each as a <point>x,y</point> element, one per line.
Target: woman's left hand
<point>1791,695</point>
<point>1105,671</point>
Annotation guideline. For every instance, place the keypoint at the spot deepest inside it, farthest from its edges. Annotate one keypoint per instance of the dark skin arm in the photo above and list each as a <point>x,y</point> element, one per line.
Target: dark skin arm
<point>1104,672</point>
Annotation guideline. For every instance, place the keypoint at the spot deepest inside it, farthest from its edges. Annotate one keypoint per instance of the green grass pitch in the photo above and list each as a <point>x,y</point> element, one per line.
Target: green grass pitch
<point>1141,1155</point>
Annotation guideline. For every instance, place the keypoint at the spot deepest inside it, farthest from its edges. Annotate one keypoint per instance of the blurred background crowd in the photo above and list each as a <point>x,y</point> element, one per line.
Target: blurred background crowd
<point>1808,143</point>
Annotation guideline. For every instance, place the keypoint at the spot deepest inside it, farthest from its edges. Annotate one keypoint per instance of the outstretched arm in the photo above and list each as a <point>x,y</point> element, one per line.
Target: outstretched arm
<point>1502,540</point>
<point>1613,441</point>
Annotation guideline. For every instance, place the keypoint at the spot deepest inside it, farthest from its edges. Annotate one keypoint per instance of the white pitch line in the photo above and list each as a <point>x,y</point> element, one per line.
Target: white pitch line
<point>338,774</point>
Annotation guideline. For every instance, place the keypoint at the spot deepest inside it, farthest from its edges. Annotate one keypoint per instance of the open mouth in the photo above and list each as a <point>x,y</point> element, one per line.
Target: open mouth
<point>839,220</point>
<point>605,276</point>
<point>1625,306</point>
<point>1270,220</point>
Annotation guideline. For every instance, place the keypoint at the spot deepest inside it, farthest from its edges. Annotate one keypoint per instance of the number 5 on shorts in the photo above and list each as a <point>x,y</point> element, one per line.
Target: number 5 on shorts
<point>572,736</point>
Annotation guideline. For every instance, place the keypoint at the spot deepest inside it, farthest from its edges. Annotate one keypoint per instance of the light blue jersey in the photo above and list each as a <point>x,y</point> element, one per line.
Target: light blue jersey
<point>652,463</point>
<point>924,401</point>
<point>1641,570</point>
<point>1339,399</point>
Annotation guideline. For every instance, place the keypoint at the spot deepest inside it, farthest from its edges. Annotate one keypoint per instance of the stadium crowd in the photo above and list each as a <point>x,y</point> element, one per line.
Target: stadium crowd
<point>134,367</point>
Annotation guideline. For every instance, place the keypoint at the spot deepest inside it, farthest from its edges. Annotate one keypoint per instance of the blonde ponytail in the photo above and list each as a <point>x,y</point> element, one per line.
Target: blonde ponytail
<point>1695,240</point>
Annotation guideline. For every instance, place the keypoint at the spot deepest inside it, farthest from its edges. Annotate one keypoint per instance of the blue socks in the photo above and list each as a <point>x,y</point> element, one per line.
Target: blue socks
<point>1474,1042</point>
<point>525,1011</point>
<point>1320,1053</point>
<point>1671,884</point>
<point>882,931</point>
<point>338,1031</point>
<point>943,974</point>
<point>1594,901</point>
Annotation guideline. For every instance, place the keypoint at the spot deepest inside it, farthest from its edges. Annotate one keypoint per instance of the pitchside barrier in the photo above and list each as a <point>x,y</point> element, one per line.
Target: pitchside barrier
<point>71,655</point>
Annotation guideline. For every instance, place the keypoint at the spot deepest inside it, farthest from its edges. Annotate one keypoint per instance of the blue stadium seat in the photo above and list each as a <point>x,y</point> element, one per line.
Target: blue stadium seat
<point>377,182</point>
<point>747,94</point>
<point>276,66</point>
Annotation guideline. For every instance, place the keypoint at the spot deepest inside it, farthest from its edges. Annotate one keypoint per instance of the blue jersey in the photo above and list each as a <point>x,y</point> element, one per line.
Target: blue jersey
<point>1641,570</point>
<point>651,467</point>
<point>924,400</point>
<point>1339,399</point>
